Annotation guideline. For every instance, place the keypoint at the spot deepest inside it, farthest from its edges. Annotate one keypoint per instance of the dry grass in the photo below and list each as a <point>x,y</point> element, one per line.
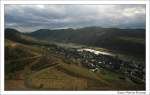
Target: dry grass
<point>15,85</point>
<point>53,79</point>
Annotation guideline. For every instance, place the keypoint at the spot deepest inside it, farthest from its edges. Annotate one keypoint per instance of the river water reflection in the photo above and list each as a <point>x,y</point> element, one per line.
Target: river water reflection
<point>96,52</point>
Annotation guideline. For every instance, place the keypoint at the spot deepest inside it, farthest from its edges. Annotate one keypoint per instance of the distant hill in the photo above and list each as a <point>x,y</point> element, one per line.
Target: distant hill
<point>16,36</point>
<point>126,40</point>
<point>131,41</point>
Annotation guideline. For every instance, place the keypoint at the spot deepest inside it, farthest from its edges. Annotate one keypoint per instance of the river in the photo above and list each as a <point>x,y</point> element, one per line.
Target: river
<point>96,52</point>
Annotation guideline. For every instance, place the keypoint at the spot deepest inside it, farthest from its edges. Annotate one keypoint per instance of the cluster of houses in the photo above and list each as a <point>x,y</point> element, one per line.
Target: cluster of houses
<point>96,62</point>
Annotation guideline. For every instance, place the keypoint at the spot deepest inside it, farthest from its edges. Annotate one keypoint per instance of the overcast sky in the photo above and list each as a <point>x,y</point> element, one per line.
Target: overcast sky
<point>28,18</point>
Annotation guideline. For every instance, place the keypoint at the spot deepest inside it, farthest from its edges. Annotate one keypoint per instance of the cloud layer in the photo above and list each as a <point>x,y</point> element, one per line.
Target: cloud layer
<point>32,17</point>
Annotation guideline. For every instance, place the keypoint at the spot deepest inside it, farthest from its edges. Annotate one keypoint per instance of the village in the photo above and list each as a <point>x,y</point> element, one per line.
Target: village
<point>96,62</point>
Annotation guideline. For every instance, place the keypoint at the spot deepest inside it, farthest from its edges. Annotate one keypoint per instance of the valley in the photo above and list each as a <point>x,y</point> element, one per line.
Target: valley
<point>37,64</point>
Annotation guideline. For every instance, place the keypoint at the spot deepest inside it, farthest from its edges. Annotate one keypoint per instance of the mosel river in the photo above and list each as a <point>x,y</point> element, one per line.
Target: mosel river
<point>96,52</point>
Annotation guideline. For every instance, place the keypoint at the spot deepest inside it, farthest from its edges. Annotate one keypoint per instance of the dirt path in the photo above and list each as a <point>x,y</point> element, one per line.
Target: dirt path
<point>23,59</point>
<point>28,74</point>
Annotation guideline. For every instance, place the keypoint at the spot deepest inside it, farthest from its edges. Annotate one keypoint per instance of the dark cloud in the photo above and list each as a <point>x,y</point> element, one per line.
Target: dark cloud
<point>32,17</point>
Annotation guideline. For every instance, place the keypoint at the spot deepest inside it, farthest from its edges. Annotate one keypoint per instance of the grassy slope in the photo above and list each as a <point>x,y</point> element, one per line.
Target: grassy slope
<point>104,80</point>
<point>54,79</point>
<point>78,71</point>
<point>68,76</point>
<point>64,72</point>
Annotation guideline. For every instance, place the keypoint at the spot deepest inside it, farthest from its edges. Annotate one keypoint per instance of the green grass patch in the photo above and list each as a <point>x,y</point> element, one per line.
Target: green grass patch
<point>81,72</point>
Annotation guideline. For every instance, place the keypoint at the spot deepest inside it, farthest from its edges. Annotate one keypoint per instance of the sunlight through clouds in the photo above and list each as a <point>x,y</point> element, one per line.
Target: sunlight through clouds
<point>33,17</point>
